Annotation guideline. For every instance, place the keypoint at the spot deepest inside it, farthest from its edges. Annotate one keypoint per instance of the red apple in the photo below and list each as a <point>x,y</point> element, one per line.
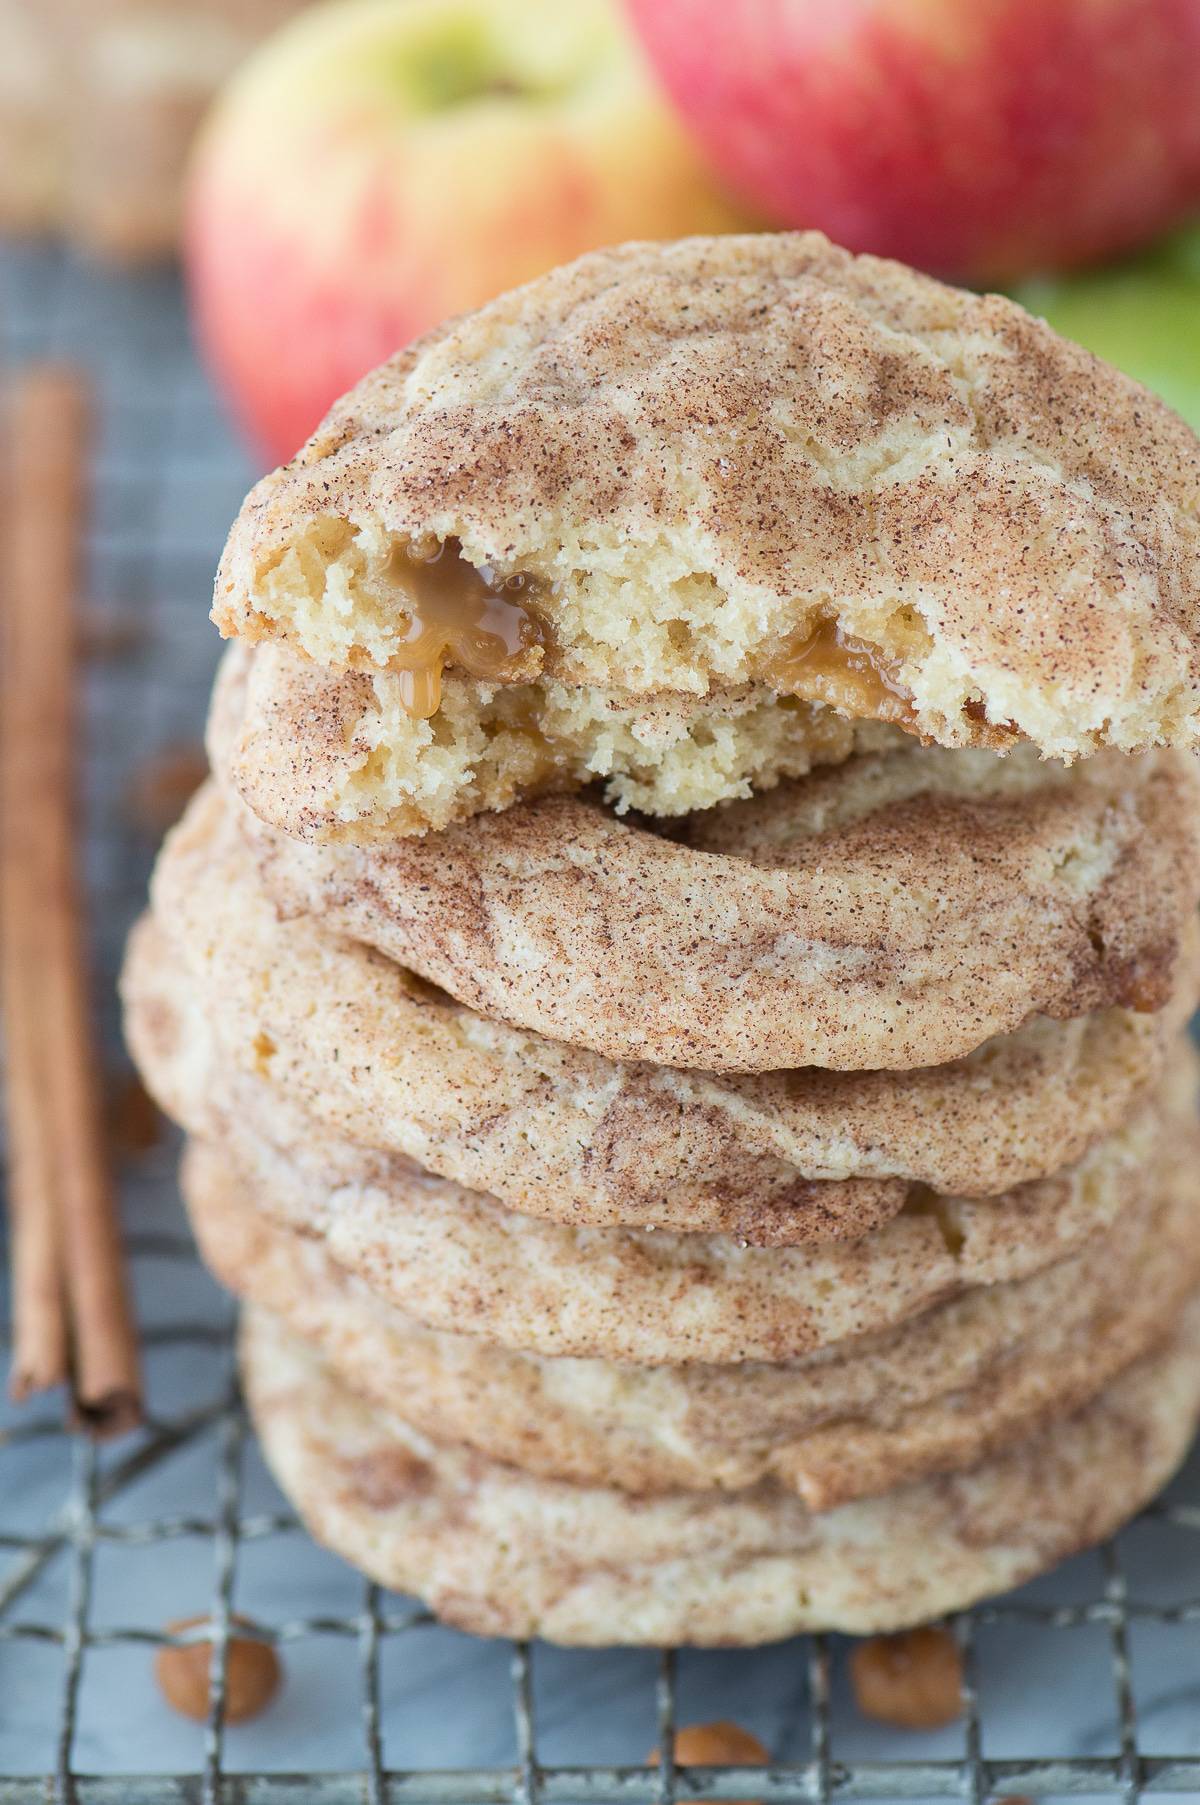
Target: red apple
<point>980,139</point>
<point>381,164</point>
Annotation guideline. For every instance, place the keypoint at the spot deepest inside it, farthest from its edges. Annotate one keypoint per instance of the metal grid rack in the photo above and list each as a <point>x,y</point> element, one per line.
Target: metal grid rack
<point>1087,1683</point>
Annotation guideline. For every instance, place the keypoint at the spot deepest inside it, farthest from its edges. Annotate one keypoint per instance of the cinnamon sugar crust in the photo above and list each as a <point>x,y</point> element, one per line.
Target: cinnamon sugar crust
<point>896,910</point>
<point>700,454</point>
<point>454,1259</point>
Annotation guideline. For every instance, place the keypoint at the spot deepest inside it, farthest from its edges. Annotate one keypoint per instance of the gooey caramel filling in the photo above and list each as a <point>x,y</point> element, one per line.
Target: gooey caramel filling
<point>831,666</point>
<point>459,614</point>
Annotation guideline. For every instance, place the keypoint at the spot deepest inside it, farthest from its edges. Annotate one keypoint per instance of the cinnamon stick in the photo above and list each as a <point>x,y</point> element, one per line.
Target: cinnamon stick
<point>70,1302</point>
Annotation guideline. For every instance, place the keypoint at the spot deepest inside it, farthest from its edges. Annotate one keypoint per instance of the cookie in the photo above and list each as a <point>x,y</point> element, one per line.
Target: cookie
<point>381,1058</point>
<point>455,1259</point>
<point>103,99</point>
<point>458,1259</point>
<point>892,911</point>
<point>560,1139</point>
<point>936,1395</point>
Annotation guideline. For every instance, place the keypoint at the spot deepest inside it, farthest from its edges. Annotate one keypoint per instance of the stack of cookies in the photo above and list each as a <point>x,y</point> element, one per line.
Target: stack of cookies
<point>677,986</point>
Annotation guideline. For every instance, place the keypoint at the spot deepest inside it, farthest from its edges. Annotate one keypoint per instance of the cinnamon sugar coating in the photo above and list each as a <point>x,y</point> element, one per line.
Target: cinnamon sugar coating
<point>501,1553</point>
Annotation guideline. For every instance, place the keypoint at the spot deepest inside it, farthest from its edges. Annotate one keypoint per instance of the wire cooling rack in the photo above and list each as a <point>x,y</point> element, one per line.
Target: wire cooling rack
<point>1084,1684</point>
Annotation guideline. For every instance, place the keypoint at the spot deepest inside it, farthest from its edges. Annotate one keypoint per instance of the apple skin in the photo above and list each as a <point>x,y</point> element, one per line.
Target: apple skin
<point>984,140</point>
<point>1143,315</point>
<point>383,164</point>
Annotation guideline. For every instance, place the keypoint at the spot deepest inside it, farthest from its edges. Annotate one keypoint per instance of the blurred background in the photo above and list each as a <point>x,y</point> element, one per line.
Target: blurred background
<point>336,178</point>
<point>222,212</point>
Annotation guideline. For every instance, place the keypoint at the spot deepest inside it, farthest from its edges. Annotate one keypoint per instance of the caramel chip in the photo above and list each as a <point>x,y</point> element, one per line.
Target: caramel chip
<point>720,1744</point>
<point>913,1681</point>
<point>252,1674</point>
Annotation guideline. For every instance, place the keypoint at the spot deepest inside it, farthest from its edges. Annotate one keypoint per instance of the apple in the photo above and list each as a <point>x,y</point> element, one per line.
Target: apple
<point>984,140</point>
<point>1142,315</point>
<point>382,164</point>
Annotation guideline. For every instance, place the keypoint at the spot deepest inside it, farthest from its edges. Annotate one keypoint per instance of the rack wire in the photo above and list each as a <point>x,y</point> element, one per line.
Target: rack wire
<point>1086,1684</point>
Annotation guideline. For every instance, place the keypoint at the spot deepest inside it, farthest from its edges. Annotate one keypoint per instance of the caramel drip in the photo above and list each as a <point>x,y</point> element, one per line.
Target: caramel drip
<point>829,665</point>
<point>461,615</point>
